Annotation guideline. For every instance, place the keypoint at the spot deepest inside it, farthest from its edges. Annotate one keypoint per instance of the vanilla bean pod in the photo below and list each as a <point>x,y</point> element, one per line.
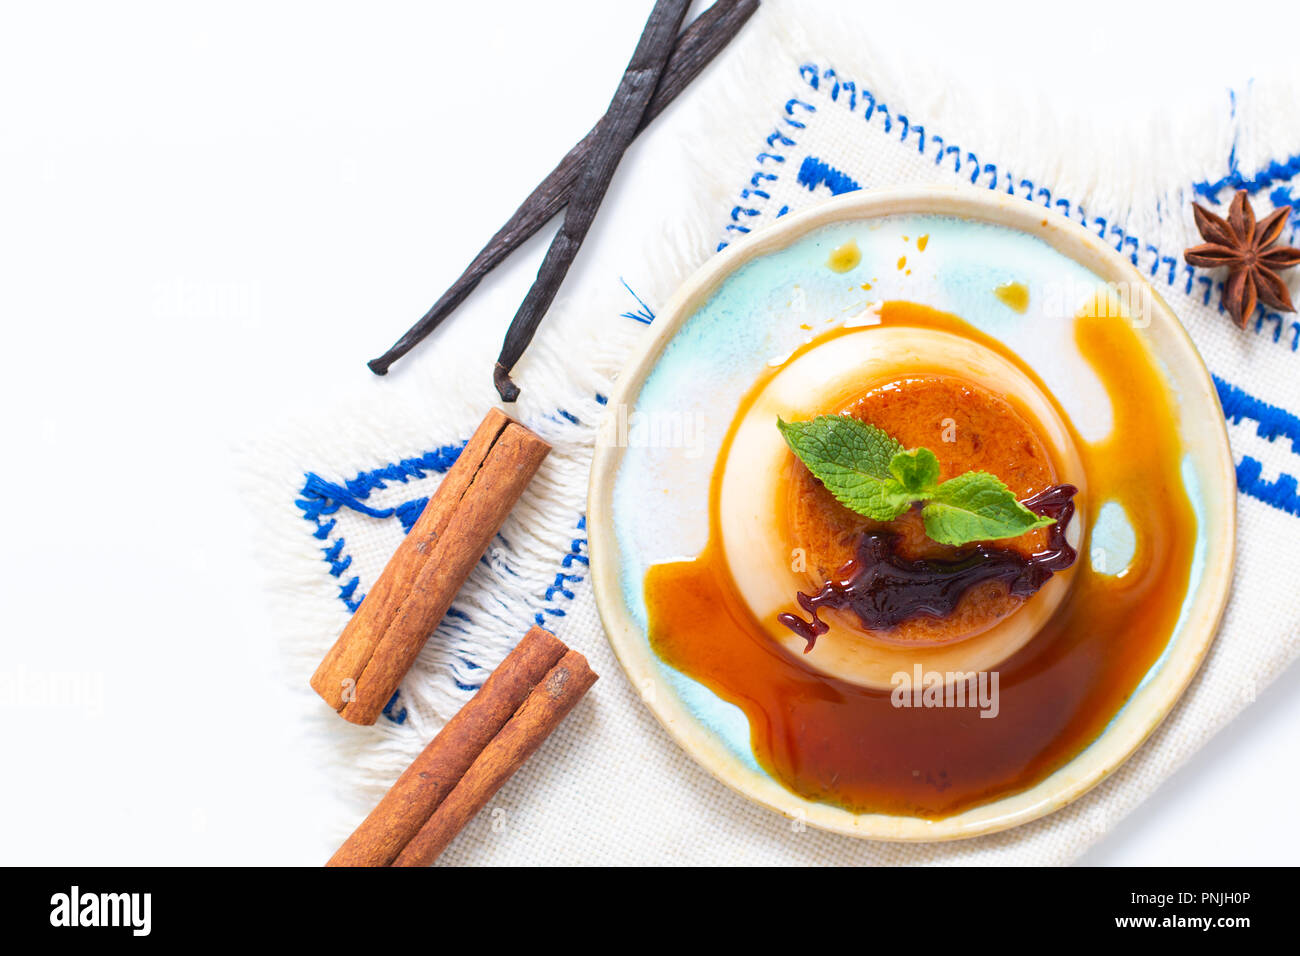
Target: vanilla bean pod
<point>613,136</point>
<point>702,40</point>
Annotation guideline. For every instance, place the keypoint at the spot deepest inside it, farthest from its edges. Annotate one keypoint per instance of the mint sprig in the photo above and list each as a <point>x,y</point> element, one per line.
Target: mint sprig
<point>870,472</point>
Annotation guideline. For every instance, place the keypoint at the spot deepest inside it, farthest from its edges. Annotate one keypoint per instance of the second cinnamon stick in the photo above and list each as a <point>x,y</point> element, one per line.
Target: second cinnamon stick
<point>548,704</point>
<point>431,776</point>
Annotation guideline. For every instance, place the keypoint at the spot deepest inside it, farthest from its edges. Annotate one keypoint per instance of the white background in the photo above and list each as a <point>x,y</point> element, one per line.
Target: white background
<point>287,162</point>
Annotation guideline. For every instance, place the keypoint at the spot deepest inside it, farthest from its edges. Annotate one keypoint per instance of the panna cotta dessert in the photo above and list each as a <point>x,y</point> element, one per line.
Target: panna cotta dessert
<point>863,599</point>
<point>944,535</point>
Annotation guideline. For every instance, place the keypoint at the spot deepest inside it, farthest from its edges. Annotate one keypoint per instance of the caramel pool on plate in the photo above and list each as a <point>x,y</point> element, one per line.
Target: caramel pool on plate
<point>836,740</point>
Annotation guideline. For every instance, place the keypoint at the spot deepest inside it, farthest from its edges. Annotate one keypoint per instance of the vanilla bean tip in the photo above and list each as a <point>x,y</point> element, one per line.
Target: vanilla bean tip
<point>506,388</point>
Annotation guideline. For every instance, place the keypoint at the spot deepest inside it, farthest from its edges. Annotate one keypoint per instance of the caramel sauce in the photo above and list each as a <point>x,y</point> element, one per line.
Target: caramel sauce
<point>845,258</point>
<point>1014,295</point>
<point>830,740</point>
<point>885,589</point>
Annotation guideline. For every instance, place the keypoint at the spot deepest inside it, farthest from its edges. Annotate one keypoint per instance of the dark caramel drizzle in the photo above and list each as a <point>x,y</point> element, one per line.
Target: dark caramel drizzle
<point>884,589</point>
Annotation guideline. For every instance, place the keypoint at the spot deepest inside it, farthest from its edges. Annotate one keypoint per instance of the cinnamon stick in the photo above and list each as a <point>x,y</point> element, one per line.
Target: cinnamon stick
<point>426,782</point>
<point>548,704</point>
<point>364,667</point>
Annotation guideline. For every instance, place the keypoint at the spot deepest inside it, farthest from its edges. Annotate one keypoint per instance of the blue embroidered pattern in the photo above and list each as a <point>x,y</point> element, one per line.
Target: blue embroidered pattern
<point>1275,172</point>
<point>642,313</point>
<point>575,558</point>
<point>1272,423</point>
<point>815,172</point>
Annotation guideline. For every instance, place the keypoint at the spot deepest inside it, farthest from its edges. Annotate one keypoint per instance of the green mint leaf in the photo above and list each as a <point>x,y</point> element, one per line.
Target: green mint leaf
<point>976,506</point>
<point>851,458</point>
<point>841,442</point>
<point>881,500</point>
<point>871,473</point>
<point>917,471</point>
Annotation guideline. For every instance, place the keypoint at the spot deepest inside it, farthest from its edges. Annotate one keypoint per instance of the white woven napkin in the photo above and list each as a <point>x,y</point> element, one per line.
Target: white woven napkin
<point>793,114</point>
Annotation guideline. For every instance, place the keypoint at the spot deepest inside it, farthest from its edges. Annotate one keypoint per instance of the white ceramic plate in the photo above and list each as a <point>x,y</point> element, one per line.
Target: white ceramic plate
<point>751,305</point>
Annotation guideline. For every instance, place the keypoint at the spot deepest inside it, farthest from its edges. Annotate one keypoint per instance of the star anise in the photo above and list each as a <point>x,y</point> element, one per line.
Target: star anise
<point>1247,249</point>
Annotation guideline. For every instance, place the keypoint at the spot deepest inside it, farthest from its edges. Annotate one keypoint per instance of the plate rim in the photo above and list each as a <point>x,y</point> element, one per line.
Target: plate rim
<point>1125,732</point>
